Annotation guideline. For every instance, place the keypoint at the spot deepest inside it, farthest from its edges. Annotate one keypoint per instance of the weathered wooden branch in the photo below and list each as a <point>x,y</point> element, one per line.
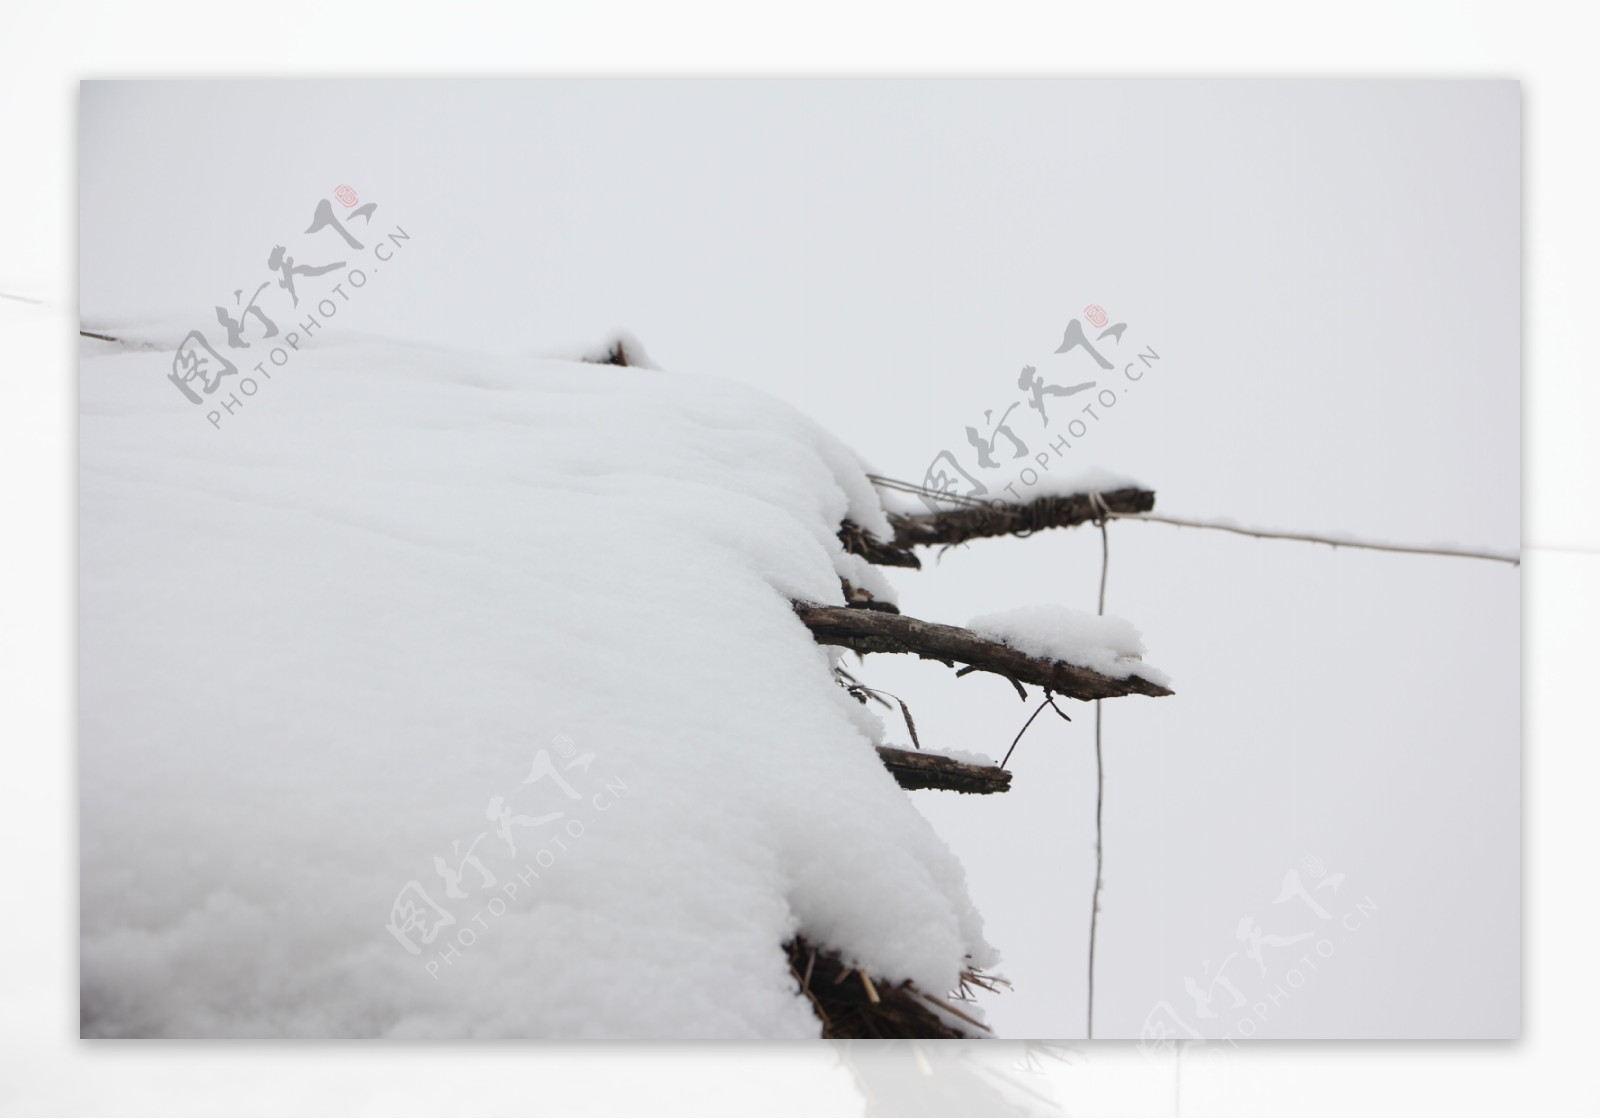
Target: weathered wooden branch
<point>916,770</point>
<point>954,526</point>
<point>859,542</point>
<point>872,631</point>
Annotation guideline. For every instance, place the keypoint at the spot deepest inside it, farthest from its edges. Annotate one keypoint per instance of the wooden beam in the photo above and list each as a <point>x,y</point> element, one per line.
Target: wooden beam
<point>954,526</point>
<point>914,769</point>
<point>872,631</point>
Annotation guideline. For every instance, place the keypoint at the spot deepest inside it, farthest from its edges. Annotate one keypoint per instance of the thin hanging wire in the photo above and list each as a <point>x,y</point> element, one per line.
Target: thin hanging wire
<point>1099,773</point>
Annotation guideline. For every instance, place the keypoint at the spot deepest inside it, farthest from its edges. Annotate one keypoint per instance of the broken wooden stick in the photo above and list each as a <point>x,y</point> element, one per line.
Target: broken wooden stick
<point>859,542</point>
<point>916,770</point>
<point>859,598</point>
<point>872,631</point>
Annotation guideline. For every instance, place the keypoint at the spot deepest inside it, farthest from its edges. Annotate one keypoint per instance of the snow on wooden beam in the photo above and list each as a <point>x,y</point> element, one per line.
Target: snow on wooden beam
<point>955,526</point>
<point>914,769</point>
<point>873,631</point>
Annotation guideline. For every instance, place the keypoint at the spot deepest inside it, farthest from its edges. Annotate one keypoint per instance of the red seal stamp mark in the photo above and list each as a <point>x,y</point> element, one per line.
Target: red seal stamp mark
<point>1093,312</point>
<point>347,195</point>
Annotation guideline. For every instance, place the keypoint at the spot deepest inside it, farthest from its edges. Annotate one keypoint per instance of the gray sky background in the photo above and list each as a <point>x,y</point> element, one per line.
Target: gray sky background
<point>1330,272</point>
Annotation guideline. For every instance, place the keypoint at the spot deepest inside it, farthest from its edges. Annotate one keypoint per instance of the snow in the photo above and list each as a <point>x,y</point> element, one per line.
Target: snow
<point>1109,645</point>
<point>868,577</point>
<point>409,625</point>
<point>967,756</point>
<point>1066,483</point>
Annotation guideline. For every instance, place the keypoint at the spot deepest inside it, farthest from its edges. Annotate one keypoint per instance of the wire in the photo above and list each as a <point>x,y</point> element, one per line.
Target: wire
<point>1311,538</point>
<point>1512,558</point>
<point>1037,712</point>
<point>1103,515</point>
<point>1099,776</point>
<point>923,491</point>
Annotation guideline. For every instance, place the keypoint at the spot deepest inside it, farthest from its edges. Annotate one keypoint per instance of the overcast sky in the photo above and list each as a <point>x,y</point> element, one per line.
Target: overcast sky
<point>1330,274</point>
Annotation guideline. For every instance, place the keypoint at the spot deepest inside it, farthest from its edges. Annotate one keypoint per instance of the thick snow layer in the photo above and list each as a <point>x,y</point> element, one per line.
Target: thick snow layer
<point>434,696</point>
<point>1109,645</point>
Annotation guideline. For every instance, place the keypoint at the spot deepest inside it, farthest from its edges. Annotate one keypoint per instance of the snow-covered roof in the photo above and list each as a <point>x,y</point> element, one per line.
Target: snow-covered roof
<point>426,695</point>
